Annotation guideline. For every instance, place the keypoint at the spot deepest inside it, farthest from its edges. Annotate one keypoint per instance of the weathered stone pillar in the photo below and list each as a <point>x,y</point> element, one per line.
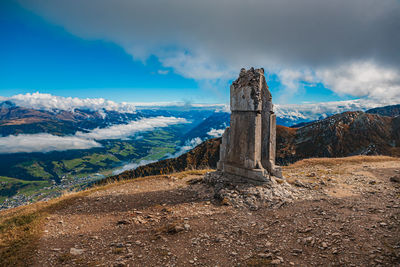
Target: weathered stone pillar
<point>248,145</point>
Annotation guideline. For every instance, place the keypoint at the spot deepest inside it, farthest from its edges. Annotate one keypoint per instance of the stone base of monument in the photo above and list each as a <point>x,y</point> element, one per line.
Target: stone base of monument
<point>241,175</point>
<point>252,176</point>
<point>239,191</point>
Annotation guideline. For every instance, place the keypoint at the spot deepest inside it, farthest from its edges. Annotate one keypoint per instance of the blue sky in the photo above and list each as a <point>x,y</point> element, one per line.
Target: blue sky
<point>39,54</point>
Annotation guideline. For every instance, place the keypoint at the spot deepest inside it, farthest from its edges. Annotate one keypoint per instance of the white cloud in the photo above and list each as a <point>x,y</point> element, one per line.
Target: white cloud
<point>43,143</point>
<point>314,111</point>
<point>189,144</point>
<point>50,102</point>
<point>163,72</point>
<point>216,133</point>
<point>286,37</point>
<point>362,79</point>
<point>122,131</point>
<point>131,166</point>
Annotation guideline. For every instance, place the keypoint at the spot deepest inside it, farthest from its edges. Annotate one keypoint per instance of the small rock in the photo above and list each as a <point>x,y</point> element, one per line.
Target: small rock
<point>324,245</point>
<point>186,226</point>
<point>297,251</point>
<point>395,179</point>
<point>123,222</point>
<point>177,229</point>
<point>305,230</point>
<point>275,262</point>
<point>265,255</point>
<point>76,251</point>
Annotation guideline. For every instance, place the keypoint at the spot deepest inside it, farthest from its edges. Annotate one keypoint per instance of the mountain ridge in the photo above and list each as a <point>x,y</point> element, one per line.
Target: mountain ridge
<point>346,134</point>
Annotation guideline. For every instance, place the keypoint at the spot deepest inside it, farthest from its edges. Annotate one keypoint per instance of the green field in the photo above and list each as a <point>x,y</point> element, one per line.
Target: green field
<point>31,172</point>
<point>11,186</point>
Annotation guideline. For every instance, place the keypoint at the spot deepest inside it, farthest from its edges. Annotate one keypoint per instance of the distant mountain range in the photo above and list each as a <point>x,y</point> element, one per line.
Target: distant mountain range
<point>391,111</point>
<point>18,120</point>
<point>122,137</point>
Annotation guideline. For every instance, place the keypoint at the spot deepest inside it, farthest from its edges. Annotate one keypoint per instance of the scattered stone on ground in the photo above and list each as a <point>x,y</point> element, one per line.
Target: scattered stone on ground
<point>338,218</point>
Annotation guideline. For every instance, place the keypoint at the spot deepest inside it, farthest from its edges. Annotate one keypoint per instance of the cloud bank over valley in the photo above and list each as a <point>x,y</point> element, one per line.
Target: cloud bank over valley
<point>44,142</point>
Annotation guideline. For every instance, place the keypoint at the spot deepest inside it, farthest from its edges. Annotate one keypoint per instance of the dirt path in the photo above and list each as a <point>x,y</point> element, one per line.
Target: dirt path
<point>349,216</point>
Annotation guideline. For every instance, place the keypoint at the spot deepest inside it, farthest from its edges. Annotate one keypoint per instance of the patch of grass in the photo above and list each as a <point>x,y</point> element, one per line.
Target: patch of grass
<point>64,258</point>
<point>338,161</point>
<point>185,174</point>
<point>35,169</point>
<point>118,250</point>
<point>72,163</point>
<point>170,228</point>
<point>21,228</point>
<point>257,262</point>
<point>10,186</point>
<point>18,238</point>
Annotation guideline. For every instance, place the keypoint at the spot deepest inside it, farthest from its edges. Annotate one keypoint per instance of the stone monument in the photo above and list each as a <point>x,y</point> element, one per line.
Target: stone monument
<point>247,152</point>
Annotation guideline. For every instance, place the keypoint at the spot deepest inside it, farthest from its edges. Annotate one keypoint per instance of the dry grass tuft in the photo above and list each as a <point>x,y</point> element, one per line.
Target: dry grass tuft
<point>258,262</point>
<point>21,228</point>
<point>338,161</point>
<point>185,174</point>
<point>170,228</point>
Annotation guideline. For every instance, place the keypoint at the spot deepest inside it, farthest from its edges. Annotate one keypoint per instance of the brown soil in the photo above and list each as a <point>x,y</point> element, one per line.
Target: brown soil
<point>348,216</point>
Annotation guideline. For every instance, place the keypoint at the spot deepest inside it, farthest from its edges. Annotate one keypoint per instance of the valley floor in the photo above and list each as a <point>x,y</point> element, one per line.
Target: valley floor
<point>346,213</point>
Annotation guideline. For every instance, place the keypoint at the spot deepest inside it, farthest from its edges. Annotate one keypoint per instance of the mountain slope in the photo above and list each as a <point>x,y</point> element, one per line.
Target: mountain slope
<point>204,156</point>
<point>391,111</point>
<point>17,120</point>
<point>346,134</point>
<point>341,135</point>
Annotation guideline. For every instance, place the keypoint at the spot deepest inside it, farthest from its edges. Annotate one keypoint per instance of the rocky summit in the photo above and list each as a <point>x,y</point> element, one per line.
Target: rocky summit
<point>334,212</point>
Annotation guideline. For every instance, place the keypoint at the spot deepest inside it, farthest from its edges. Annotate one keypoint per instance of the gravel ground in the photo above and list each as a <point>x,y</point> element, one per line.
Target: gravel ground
<point>341,212</point>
